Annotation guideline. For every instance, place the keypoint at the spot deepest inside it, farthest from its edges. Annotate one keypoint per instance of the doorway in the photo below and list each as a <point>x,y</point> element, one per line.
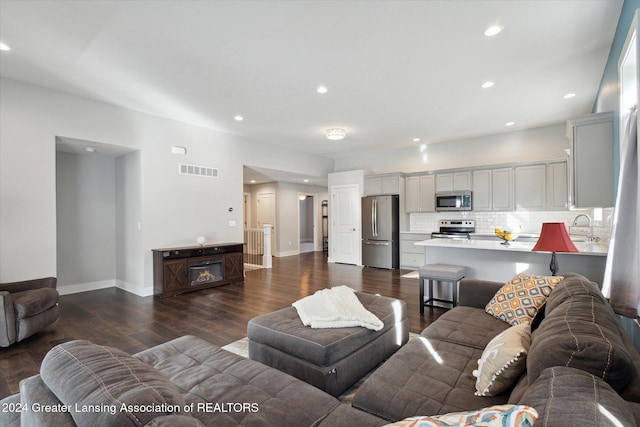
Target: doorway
<point>307,222</point>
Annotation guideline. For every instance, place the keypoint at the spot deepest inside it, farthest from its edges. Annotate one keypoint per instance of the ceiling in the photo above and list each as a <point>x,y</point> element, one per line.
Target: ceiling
<point>395,70</point>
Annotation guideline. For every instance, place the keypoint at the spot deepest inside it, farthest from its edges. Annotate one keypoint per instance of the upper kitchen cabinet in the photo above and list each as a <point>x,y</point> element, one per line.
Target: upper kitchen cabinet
<point>557,194</point>
<point>531,187</point>
<point>591,160</point>
<point>453,181</point>
<point>493,189</point>
<point>502,187</point>
<point>420,193</point>
<point>375,185</point>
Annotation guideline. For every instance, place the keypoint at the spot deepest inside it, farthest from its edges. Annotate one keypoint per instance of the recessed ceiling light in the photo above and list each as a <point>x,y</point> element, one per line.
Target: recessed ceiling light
<point>322,89</point>
<point>416,139</point>
<point>510,123</point>
<point>305,180</point>
<point>569,95</point>
<point>253,181</point>
<point>335,134</point>
<point>4,46</point>
<point>90,149</point>
<point>493,30</point>
<point>238,118</point>
<point>487,84</point>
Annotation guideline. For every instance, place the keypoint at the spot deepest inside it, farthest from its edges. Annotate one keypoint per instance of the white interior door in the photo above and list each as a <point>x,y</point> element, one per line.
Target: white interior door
<point>345,222</point>
<point>266,214</point>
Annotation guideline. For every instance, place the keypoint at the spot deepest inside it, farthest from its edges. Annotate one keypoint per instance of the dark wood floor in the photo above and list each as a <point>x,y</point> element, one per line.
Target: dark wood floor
<point>219,315</point>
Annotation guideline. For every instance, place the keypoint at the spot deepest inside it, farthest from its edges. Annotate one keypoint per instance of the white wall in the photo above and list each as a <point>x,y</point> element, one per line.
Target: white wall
<point>86,220</point>
<point>129,243</point>
<point>175,209</point>
<point>534,144</point>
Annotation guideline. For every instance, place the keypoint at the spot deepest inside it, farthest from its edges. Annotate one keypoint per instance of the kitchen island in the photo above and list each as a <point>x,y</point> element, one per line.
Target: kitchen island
<point>491,260</point>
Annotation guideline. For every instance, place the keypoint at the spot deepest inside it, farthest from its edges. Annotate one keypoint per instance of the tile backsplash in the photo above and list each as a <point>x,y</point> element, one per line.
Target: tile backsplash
<point>531,222</point>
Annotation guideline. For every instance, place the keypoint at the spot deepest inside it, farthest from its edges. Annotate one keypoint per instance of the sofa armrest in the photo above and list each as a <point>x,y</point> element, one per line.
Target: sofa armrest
<point>13,287</point>
<point>7,320</point>
<point>477,293</point>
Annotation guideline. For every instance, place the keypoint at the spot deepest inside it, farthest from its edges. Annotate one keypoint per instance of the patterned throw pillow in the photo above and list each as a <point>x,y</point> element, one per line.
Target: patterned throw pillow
<point>503,360</point>
<point>493,416</point>
<point>519,300</point>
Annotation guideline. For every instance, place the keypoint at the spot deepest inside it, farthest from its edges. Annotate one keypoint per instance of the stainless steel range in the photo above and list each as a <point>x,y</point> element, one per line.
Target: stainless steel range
<point>455,229</point>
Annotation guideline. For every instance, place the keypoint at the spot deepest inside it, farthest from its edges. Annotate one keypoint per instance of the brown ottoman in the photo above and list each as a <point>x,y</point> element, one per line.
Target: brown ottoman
<point>329,359</point>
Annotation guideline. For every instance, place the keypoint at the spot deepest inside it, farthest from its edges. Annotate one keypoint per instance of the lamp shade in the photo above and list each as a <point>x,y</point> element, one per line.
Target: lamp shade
<point>554,238</point>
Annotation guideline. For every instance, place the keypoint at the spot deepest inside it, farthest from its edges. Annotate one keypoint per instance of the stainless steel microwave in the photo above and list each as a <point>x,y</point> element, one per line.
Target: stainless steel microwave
<point>453,200</point>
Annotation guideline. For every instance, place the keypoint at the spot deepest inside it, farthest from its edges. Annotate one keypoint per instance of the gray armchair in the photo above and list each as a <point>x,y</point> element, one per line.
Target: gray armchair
<point>26,308</point>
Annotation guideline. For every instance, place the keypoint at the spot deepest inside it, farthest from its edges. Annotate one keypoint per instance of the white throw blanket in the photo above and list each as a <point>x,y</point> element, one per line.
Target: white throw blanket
<point>337,307</point>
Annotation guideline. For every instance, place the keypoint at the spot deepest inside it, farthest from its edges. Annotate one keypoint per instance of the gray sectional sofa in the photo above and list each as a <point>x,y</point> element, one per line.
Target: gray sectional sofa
<point>581,367</point>
<point>581,370</point>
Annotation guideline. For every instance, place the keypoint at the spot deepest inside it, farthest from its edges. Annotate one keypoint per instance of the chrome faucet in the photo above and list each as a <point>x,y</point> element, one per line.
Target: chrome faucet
<point>590,233</point>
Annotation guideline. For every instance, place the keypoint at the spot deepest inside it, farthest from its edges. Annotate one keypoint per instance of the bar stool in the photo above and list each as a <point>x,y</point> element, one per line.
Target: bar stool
<point>441,273</point>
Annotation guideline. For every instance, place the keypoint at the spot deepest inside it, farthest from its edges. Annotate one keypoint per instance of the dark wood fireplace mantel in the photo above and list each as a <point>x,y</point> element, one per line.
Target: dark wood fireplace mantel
<point>191,268</point>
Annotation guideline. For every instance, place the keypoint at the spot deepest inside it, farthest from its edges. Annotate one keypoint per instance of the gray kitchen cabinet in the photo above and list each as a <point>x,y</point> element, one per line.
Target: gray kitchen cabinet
<point>453,181</point>
<point>412,256</point>
<point>557,185</point>
<point>382,184</point>
<point>481,191</point>
<point>420,193</point>
<point>590,166</point>
<point>531,187</point>
<point>502,189</point>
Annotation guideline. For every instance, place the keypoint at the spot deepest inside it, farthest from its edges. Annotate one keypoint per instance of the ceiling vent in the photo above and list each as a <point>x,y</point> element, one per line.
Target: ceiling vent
<point>199,171</point>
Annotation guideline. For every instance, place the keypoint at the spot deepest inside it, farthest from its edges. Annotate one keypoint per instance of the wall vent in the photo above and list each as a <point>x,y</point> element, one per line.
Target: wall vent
<point>198,171</point>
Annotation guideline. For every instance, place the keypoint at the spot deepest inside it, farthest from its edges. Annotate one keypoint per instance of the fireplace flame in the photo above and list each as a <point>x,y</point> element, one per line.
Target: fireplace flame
<point>205,276</point>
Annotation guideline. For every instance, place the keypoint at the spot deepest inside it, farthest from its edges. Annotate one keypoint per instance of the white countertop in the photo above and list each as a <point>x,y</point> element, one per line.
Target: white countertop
<point>585,248</point>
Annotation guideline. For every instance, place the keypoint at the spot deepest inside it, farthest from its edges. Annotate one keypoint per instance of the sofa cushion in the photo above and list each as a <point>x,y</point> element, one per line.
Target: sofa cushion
<point>493,416</point>
<point>35,301</point>
<point>117,389</point>
<point>503,360</point>
<point>175,421</point>
<point>239,391</point>
<point>571,397</point>
<point>572,285</point>
<point>519,300</point>
<point>467,326</point>
<point>425,376</point>
<point>582,333</point>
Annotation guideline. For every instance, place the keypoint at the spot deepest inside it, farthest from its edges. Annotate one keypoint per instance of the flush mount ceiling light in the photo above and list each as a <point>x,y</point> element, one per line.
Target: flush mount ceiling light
<point>569,95</point>
<point>4,46</point>
<point>416,139</point>
<point>487,84</point>
<point>238,118</point>
<point>322,89</point>
<point>335,134</point>
<point>493,30</point>
<point>510,123</point>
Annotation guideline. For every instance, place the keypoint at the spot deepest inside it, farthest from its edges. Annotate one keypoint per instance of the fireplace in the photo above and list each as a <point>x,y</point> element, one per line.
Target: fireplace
<point>207,271</point>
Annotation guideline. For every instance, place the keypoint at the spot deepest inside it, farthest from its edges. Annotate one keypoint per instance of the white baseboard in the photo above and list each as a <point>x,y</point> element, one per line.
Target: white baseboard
<point>103,284</point>
<point>134,289</point>
<point>84,287</point>
<point>287,253</point>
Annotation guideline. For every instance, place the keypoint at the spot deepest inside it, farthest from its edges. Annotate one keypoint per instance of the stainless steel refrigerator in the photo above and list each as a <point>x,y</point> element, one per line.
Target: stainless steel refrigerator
<point>381,231</point>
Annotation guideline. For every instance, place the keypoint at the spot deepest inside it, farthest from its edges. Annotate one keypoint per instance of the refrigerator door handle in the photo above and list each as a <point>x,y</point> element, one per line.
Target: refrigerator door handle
<point>375,216</point>
<point>377,243</point>
<point>373,230</point>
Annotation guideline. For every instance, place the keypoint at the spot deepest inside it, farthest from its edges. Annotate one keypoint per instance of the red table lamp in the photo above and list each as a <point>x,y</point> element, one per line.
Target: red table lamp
<point>554,238</point>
